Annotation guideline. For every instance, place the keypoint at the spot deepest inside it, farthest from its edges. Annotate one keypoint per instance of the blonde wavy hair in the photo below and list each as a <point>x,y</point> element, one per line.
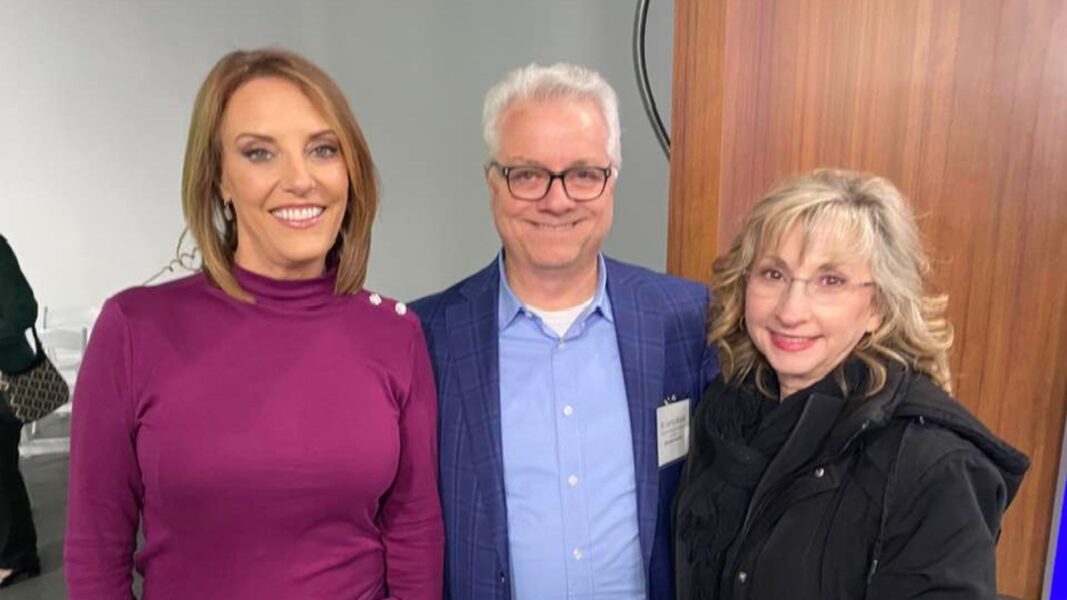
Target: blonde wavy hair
<point>201,201</point>
<point>862,215</point>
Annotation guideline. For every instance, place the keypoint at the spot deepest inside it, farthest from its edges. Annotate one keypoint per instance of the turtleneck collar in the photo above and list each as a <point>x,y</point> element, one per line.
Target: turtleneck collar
<point>298,294</point>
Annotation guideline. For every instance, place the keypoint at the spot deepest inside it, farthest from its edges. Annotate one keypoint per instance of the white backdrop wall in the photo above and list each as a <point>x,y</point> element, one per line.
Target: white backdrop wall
<point>96,99</point>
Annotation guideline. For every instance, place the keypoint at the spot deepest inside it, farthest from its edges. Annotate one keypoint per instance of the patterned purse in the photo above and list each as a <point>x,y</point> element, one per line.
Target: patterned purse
<point>37,391</point>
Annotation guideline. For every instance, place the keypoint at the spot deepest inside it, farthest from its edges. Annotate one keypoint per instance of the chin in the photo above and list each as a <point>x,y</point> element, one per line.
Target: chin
<point>554,265</point>
<point>307,256</point>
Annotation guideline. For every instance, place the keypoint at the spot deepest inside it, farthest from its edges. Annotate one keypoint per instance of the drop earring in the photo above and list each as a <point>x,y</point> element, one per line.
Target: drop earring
<point>227,211</point>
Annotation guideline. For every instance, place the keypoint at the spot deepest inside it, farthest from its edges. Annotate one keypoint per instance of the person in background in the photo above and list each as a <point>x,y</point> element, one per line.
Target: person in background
<point>829,460</point>
<point>268,422</point>
<point>18,313</point>
<point>556,366</point>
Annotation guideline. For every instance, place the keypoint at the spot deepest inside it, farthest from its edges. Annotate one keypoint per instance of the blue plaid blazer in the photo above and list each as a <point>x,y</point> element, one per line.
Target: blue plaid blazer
<point>660,326</point>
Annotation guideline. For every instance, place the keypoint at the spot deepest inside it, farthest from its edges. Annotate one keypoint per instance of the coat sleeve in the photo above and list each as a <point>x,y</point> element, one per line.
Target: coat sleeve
<point>941,536</point>
<point>18,307</point>
<point>412,529</point>
<point>105,492</point>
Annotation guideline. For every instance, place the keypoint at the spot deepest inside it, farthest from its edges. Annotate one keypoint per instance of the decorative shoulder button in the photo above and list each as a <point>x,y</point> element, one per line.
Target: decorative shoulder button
<point>401,308</point>
<point>375,299</point>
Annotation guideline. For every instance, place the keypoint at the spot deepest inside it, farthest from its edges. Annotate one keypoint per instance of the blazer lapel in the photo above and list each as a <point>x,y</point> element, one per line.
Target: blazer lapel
<point>640,335</point>
<point>473,336</point>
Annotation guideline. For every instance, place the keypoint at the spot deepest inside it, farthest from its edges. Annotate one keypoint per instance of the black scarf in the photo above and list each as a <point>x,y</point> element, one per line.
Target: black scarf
<point>737,432</point>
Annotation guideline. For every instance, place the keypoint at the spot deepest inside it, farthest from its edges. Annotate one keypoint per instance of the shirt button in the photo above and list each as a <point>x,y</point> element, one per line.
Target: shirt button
<point>577,554</point>
<point>561,344</point>
<point>742,577</point>
<point>567,410</point>
<point>819,472</point>
<point>573,480</point>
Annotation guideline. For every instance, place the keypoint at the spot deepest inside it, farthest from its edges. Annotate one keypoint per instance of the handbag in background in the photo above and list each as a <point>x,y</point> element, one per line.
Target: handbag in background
<point>35,392</point>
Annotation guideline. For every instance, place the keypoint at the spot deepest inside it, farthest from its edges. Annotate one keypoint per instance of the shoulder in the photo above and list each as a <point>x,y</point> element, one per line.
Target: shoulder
<point>432,307</point>
<point>944,450</point>
<point>385,313</point>
<point>683,304</point>
<point>146,301</point>
<point>627,274</point>
<point>7,255</point>
<point>656,291</point>
<point>940,473</point>
<point>926,448</point>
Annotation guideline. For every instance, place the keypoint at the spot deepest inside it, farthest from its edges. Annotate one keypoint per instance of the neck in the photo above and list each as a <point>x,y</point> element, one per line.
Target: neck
<point>280,272</point>
<point>552,289</point>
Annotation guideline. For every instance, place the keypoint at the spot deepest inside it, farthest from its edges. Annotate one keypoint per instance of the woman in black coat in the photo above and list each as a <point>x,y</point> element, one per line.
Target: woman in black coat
<point>828,460</point>
<point>18,312</point>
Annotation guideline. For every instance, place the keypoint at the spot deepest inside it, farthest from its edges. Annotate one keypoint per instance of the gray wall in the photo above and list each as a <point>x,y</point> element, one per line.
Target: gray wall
<point>96,100</point>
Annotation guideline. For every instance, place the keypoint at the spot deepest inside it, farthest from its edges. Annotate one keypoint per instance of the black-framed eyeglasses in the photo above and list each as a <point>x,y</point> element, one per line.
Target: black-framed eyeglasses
<point>529,182</point>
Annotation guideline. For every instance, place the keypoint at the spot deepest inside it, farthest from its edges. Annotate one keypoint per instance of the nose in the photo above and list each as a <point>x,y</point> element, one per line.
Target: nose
<point>556,200</point>
<point>297,178</point>
<point>793,306</point>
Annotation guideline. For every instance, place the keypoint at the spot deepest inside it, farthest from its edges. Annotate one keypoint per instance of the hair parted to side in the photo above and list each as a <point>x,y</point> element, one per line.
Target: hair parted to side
<point>201,201</point>
<point>561,81</point>
<point>862,215</point>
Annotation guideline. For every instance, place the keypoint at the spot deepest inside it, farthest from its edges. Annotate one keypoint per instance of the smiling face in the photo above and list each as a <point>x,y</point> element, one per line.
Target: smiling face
<point>554,236</point>
<point>801,339</point>
<point>283,171</point>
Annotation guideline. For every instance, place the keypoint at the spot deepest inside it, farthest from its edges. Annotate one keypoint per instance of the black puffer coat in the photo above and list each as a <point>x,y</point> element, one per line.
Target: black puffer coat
<point>895,496</point>
<point>18,311</point>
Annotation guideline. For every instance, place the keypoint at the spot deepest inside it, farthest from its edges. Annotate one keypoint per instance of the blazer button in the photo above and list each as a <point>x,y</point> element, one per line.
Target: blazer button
<point>742,576</point>
<point>503,579</point>
<point>819,472</point>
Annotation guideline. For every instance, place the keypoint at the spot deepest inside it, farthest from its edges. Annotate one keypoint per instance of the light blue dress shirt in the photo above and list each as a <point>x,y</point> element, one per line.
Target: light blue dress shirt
<point>568,455</point>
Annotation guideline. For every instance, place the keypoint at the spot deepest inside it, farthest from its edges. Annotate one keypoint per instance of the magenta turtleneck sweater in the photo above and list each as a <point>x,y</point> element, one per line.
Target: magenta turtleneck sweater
<point>282,450</point>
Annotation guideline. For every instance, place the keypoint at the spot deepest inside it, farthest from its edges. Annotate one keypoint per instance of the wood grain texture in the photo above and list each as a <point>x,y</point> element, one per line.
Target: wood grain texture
<point>697,95</point>
<point>963,104</point>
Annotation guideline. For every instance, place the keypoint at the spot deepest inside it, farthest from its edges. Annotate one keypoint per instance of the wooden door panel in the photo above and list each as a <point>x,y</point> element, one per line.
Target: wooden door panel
<point>963,104</point>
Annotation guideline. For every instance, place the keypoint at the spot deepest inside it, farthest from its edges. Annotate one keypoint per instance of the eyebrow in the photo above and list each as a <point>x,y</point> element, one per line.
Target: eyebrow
<point>266,138</point>
<point>827,266</point>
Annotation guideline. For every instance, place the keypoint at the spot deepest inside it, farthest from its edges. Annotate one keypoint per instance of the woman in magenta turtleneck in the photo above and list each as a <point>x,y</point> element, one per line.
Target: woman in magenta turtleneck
<point>269,425</point>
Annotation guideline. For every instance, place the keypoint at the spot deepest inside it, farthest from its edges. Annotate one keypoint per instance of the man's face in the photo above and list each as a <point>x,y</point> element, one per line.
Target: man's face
<point>554,235</point>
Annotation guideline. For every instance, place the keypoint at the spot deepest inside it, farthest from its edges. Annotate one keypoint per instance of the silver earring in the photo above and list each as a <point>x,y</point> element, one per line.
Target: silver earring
<point>227,211</point>
<point>741,324</point>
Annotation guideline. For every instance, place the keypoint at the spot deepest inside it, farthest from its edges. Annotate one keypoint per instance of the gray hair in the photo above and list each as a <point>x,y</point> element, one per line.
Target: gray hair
<point>559,81</point>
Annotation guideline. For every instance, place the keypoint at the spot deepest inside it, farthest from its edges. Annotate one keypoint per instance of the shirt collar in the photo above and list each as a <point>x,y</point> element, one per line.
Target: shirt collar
<point>509,305</point>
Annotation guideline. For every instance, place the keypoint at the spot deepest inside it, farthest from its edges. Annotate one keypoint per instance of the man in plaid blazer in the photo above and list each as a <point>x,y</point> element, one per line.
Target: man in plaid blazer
<point>565,378</point>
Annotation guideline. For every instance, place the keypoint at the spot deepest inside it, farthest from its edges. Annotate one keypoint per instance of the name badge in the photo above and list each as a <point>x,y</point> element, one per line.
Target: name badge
<point>672,431</point>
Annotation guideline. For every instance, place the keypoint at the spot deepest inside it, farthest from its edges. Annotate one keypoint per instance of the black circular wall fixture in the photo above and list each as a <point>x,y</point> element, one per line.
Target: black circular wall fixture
<point>641,71</point>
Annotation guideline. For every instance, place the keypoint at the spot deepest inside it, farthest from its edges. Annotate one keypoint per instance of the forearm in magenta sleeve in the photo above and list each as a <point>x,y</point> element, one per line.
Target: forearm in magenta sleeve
<point>411,521</point>
<point>105,491</point>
